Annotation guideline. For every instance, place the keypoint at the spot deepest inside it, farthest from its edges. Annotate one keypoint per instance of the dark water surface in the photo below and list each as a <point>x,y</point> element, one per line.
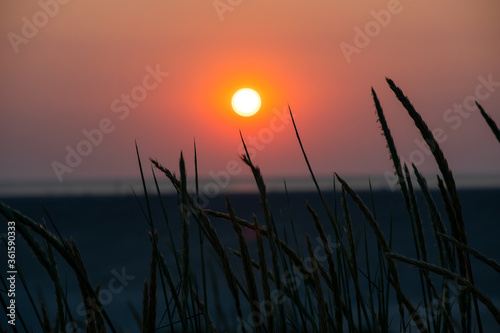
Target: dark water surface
<point>112,235</point>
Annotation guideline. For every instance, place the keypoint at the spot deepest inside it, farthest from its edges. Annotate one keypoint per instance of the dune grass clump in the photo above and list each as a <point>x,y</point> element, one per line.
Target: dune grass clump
<point>286,286</point>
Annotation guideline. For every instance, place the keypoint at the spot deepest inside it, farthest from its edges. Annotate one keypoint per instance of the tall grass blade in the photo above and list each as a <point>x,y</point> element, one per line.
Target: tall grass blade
<point>401,297</point>
<point>145,307</point>
<point>491,123</point>
<point>253,294</point>
<point>172,243</point>
<point>318,189</point>
<point>151,319</point>
<point>266,288</point>
<point>445,253</point>
<point>46,320</point>
<point>323,316</point>
<point>173,290</point>
<point>392,149</point>
<point>184,213</point>
<point>292,223</point>
<point>274,243</point>
<point>331,217</point>
<point>150,216</point>
<point>447,177</point>
<point>208,321</point>
<point>352,258</point>
<point>435,149</point>
<point>339,305</point>
<point>167,223</point>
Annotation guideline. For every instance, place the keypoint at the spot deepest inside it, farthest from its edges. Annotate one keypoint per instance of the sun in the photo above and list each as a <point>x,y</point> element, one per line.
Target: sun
<point>246,102</point>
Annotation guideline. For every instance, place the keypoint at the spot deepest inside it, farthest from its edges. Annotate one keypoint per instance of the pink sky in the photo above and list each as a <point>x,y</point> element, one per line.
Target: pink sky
<point>69,75</point>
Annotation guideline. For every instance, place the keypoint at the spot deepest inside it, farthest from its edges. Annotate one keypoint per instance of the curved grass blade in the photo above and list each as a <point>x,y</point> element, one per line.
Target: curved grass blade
<point>452,276</point>
<point>491,123</point>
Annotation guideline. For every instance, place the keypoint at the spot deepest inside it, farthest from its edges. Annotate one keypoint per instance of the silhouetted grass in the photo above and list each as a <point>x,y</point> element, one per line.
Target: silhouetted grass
<point>334,292</point>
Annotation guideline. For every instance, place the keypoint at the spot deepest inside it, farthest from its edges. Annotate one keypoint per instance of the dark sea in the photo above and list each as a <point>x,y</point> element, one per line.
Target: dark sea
<point>112,235</point>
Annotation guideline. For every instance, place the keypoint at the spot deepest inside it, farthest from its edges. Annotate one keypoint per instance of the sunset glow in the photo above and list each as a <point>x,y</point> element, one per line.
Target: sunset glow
<point>243,122</point>
<point>77,94</point>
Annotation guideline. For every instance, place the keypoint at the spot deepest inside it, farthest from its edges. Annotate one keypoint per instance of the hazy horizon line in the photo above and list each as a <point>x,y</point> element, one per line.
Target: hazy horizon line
<point>212,187</point>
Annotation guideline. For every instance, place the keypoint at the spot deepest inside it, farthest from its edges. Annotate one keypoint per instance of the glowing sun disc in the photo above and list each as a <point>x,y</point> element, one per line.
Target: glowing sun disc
<point>246,102</point>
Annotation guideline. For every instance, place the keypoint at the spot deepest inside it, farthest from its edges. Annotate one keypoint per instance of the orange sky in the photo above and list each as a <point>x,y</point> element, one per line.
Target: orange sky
<point>70,74</point>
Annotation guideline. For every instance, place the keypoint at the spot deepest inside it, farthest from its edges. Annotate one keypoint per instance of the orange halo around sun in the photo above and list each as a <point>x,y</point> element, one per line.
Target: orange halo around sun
<point>246,102</point>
